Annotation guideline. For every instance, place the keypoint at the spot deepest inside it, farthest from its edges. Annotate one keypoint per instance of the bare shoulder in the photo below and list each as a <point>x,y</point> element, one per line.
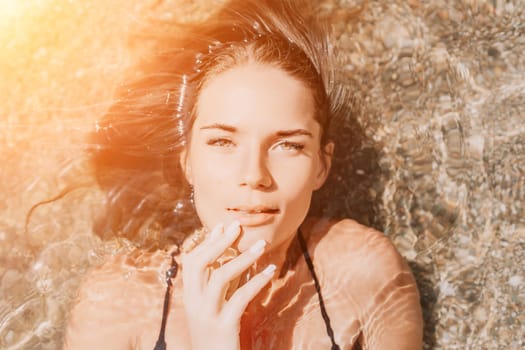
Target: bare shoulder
<point>364,251</point>
<point>363,274</point>
<point>347,237</point>
<point>118,295</point>
<point>121,274</point>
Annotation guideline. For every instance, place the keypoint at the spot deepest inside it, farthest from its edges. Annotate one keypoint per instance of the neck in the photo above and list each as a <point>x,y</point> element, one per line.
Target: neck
<point>280,256</point>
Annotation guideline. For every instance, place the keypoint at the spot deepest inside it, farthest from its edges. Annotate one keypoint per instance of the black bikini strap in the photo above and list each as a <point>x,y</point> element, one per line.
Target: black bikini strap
<point>326,318</point>
<point>171,273</point>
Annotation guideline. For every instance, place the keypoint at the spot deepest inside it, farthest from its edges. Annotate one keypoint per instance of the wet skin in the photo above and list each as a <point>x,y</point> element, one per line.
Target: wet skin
<point>369,291</point>
<point>255,156</point>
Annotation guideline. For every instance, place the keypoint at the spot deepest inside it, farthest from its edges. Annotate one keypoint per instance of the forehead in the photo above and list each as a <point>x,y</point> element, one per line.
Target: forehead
<point>256,95</point>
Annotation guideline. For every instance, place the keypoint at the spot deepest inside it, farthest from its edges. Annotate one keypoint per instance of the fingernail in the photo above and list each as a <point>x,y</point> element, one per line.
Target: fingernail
<point>269,270</point>
<point>258,247</point>
<point>216,230</point>
<point>233,229</point>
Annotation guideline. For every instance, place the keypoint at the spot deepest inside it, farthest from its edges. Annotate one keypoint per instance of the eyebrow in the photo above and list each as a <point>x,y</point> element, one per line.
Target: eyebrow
<point>220,126</point>
<point>280,133</point>
<point>295,132</point>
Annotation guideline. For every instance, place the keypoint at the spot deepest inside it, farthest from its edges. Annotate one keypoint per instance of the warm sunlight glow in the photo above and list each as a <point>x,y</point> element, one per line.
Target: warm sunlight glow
<point>13,13</point>
<point>10,8</point>
<point>20,26</point>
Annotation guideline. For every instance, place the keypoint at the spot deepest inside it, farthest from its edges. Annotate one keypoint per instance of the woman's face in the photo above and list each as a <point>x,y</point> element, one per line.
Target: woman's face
<point>254,153</point>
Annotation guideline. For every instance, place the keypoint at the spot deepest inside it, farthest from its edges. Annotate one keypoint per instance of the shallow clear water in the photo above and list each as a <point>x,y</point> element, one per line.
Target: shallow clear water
<point>439,95</point>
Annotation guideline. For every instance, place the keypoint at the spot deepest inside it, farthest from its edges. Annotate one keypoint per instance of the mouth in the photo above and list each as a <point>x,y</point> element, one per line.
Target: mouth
<point>255,209</point>
<point>254,215</point>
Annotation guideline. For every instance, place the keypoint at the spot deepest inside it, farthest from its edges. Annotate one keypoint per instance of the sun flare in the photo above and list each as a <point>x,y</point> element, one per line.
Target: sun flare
<point>11,8</point>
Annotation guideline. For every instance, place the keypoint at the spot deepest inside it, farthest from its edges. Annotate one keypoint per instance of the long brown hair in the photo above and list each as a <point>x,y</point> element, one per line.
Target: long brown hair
<point>140,137</point>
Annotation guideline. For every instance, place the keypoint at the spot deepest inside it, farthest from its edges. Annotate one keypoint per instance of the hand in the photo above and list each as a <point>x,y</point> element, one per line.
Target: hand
<point>214,320</point>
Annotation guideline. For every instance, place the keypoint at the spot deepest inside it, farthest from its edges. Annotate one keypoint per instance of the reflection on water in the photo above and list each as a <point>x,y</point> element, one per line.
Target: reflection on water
<point>439,96</point>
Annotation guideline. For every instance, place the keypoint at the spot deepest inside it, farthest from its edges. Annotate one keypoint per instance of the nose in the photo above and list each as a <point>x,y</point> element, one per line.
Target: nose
<point>255,172</point>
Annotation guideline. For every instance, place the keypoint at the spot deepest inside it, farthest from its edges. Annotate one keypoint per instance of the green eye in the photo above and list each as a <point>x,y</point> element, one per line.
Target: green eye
<point>291,146</point>
<point>220,142</point>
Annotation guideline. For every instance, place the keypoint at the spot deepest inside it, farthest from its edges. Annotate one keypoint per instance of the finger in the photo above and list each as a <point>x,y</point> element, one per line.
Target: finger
<point>206,254</point>
<point>199,237</point>
<point>221,277</point>
<point>192,273</point>
<point>216,247</point>
<point>234,308</point>
<point>209,237</point>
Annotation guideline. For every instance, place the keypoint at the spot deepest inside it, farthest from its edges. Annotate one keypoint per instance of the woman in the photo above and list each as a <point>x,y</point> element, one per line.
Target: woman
<point>242,111</point>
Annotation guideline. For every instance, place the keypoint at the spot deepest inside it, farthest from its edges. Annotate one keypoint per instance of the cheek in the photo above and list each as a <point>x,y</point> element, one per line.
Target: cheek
<point>206,168</point>
<point>210,186</point>
<point>298,201</point>
<point>295,178</point>
<point>295,193</point>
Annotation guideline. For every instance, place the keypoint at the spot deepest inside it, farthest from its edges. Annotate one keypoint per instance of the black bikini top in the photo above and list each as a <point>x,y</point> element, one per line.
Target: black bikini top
<point>172,272</point>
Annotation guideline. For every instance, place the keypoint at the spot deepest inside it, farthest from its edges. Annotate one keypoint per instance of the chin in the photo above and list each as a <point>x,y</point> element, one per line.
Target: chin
<point>250,235</point>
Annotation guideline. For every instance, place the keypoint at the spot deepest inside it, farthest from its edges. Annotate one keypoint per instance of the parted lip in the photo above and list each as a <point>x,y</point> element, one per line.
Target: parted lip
<point>255,209</point>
